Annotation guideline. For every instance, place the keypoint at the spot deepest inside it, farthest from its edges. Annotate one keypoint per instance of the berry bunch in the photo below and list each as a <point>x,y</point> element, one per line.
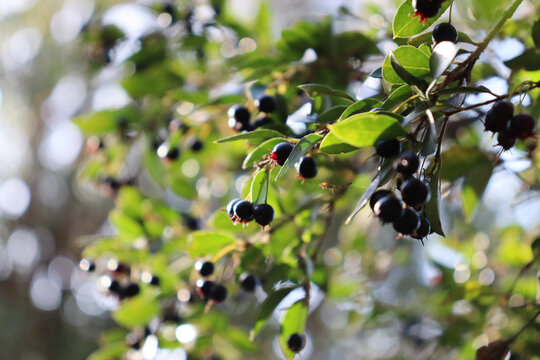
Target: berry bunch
<point>404,213</point>
<point>509,128</point>
<point>208,289</point>
<point>239,115</point>
<point>306,166</point>
<point>244,211</point>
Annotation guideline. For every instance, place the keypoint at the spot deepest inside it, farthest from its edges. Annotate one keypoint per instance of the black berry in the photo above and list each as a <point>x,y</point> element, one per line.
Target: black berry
<point>196,144</point>
<point>263,214</point>
<point>281,152</point>
<point>407,164</point>
<point>266,104</point>
<point>495,122</point>
<point>115,287</point>
<point>388,208</point>
<point>445,32</point>
<point>307,167</point>
<point>414,192</point>
<point>205,268</point>
<point>204,288</point>
<point>263,120</point>
<point>131,290</point>
<point>506,139</point>
<point>423,230</point>
<point>240,114</point>
<point>191,223</point>
<point>218,293</point>
<point>248,282</point>
<point>173,154</point>
<point>154,280</point>
<point>388,148</point>
<point>522,126</point>
<point>378,195</point>
<point>230,208</point>
<point>505,108</point>
<point>243,210</point>
<point>296,342</point>
<point>425,9</point>
<point>408,222</point>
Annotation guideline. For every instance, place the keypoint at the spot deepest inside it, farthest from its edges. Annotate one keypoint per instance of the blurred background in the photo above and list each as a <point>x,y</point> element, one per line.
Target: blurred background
<point>48,308</point>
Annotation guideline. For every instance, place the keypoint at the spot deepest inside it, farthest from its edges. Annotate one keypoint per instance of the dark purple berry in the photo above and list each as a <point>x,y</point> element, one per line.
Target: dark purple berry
<point>243,210</point>
<point>154,280</point>
<point>388,208</point>
<point>263,214</point>
<point>445,32</point>
<point>425,9</point>
<point>296,342</point>
<point>204,288</point>
<point>415,192</point>
<point>131,290</point>
<point>522,126</point>
<point>494,122</point>
<point>240,114</point>
<point>230,208</point>
<point>407,164</point>
<point>196,144</point>
<point>218,293</point>
<point>248,282</point>
<point>173,154</point>
<point>388,148</point>
<point>266,104</point>
<point>281,152</point>
<point>115,287</point>
<point>506,139</point>
<point>378,195</point>
<point>191,223</point>
<point>424,229</point>
<point>307,167</point>
<point>408,222</point>
<point>504,108</point>
<point>205,268</point>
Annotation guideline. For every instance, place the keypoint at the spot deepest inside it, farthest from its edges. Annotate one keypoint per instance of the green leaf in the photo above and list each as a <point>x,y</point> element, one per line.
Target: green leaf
<point>126,225</point>
<point>259,187</point>
<point>300,149</point>
<point>529,60</point>
<point>110,351</point>
<point>206,243</point>
<point>405,25</point>
<point>137,311</point>
<point>460,160</point>
<point>331,144</point>
<point>263,27</point>
<point>293,322</point>
<point>314,90</point>
<point>332,114</point>
<point>263,149</point>
<point>257,134</point>
<point>360,106</point>
<point>433,207</point>
<point>442,56</point>
<point>413,62</point>
<point>397,97</point>
<point>268,305</point>
<point>105,121</point>
<point>474,184</point>
<point>536,33</point>
<point>427,38</point>
<point>367,128</point>
<point>465,90</point>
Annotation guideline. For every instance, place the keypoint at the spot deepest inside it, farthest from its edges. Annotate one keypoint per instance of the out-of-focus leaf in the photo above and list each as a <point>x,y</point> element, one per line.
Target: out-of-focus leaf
<point>259,187</point>
<point>460,160</point>
<point>300,149</point>
<point>536,33</point>
<point>126,225</point>
<point>208,243</point>
<point>293,322</point>
<point>314,90</point>
<point>529,60</point>
<point>405,25</point>
<point>268,306</point>
<point>110,351</point>
<point>474,184</point>
<point>366,129</point>
<point>105,121</point>
<point>257,134</point>
<point>433,207</point>
<point>137,311</point>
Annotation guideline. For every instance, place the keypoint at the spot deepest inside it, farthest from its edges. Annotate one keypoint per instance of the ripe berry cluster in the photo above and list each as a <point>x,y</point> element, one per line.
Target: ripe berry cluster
<point>244,211</point>
<point>208,289</point>
<point>405,213</point>
<point>239,115</point>
<point>501,120</point>
<point>306,166</point>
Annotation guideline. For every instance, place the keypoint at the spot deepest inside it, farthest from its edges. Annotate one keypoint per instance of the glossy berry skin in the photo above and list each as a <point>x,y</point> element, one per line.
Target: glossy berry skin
<point>204,288</point>
<point>378,195</point>
<point>388,148</point>
<point>307,167</point>
<point>407,164</point>
<point>506,139</point>
<point>266,104</point>
<point>131,290</point>
<point>263,214</point>
<point>296,342</point>
<point>415,192</point>
<point>445,32</point>
<point>230,208</point>
<point>218,293</point>
<point>173,154</point>
<point>425,9</point>
<point>248,282</point>
<point>423,230</point>
<point>408,222</point>
<point>239,113</point>
<point>87,265</point>
<point>205,268</point>
<point>243,210</point>
<point>388,209</point>
<point>522,126</point>
<point>281,152</point>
